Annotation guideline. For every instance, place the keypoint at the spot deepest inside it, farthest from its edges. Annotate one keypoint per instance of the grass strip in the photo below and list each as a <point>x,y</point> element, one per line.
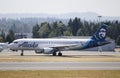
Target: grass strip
<point>59,73</point>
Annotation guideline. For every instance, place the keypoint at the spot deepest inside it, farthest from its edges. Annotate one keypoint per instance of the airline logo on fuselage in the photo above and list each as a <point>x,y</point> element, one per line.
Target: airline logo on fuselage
<point>29,45</point>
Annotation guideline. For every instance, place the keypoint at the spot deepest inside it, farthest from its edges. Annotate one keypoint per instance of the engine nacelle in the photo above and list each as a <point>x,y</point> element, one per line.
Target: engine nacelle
<point>39,51</point>
<point>44,50</point>
<point>48,50</point>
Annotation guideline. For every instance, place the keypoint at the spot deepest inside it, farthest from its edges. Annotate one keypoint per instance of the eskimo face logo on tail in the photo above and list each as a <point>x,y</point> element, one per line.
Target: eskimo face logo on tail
<point>102,33</point>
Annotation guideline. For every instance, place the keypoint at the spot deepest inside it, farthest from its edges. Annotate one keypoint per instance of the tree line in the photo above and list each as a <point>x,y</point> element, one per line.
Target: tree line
<point>9,38</point>
<point>75,27</point>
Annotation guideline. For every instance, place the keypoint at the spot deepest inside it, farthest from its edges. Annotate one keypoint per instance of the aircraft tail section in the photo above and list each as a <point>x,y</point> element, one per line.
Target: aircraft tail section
<point>98,39</point>
<point>100,34</point>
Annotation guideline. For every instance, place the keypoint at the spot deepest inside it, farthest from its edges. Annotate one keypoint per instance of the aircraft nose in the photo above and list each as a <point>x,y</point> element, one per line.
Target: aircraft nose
<point>11,45</point>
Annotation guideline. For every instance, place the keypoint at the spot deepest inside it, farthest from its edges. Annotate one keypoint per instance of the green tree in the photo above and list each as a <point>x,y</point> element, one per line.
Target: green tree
<point>67,33</point>
<point>79,32</point>
<point>61,28</point>
<point>70,25</point>
<point>2,36</point>
<point>35,31</point>
<point>74,25</point>
<point>10,37</point>
<point>57,29</point>
<point>1,39</point>
<point>118,40</point>
<point>44,30</point>
<point>53,27</point>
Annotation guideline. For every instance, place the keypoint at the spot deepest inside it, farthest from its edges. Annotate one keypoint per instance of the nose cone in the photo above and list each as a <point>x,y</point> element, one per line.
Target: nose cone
<point>12,46</point>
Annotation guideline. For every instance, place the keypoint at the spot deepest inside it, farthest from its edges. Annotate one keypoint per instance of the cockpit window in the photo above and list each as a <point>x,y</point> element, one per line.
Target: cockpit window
<point>15,42</point>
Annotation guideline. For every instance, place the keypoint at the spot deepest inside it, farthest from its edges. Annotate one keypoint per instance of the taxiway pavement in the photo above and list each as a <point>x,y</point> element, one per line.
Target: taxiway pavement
<point>60,66</point>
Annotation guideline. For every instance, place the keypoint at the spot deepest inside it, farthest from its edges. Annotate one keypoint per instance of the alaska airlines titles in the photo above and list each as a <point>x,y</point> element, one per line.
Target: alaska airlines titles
<point>26,44</point>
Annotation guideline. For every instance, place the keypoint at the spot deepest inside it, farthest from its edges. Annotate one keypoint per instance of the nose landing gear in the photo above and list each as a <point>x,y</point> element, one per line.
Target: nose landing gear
<point>22,54</point>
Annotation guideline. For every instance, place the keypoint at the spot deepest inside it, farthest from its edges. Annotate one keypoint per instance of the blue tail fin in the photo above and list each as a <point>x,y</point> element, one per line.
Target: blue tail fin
<point>98,39</point>
<point>100,34</point>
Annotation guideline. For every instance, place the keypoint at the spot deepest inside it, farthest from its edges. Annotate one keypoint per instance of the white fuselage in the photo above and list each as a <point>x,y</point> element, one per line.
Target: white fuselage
<point>37,44</point>
<point>51,45</point>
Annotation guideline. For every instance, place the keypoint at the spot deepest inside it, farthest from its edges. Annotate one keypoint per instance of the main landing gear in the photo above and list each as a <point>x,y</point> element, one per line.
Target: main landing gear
<point>54,54</point>
<point>59,54</point>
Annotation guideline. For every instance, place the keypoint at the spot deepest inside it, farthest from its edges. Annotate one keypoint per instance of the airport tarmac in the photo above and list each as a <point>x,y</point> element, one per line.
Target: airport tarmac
<point>68,56</point>
<point>60,66</point>
<point>29,52</point>
<point>71,60</point>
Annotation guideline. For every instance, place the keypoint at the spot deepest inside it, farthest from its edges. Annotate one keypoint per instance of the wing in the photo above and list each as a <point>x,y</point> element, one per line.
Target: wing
<point>65,46</point>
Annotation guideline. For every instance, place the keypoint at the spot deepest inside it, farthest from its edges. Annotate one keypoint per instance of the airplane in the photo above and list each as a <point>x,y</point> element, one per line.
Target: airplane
<point>52,46</point>
<point>3,46</point>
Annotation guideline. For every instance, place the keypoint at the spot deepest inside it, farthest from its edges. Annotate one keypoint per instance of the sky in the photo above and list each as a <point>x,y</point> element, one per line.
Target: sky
<point>102,7</point>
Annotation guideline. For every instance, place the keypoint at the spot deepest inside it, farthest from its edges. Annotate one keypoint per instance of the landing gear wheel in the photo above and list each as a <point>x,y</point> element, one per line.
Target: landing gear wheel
<point>21,54</point>
<point>54,53</point>
<point>59,54</point>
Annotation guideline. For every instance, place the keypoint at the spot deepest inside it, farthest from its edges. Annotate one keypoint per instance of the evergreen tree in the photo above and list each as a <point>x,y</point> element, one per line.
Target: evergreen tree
<point>44,30</point>
<point>10,37</point>
<point>70,25</point>
<point>67,33</point>
<point>61,28</point>
<point>75,26</point>
<point>118,40</point>
<point>2,36</point>
<point>54,30</point>
<point>35,31</point>
<point>79,32</point>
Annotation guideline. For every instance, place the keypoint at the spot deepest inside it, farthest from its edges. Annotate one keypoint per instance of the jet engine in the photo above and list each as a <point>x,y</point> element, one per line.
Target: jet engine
<point>39,51</point>
<point>48,50</point>
<point>44,50</point>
